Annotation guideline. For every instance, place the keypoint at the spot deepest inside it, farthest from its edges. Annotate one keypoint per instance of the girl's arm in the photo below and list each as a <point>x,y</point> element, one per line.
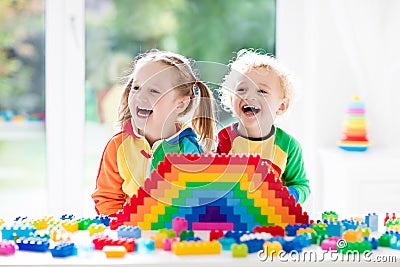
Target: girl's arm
<point>108,196</point>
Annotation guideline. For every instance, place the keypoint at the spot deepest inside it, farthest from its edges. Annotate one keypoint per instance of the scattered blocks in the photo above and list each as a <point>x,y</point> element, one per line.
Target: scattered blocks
<point>7,248</point>
<point>101,241</point>
<point>145,245</point>
<point>330,243</point>
<point>70,225</point>
<point>273,230</point>
<point>114,251</point>
<point>196,248</point>
<point>167,243</point>
<point>186,234</point>
<point>102,219</point>
<point>84,223</point>
<point>330,216</point>
<point>216,234</point>
<point>353,236</point>
<point>239,250</point>
<point>334,229</point>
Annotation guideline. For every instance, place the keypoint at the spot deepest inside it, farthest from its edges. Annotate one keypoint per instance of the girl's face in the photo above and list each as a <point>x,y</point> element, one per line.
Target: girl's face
<point>257,100</point>
<point>153,101</point>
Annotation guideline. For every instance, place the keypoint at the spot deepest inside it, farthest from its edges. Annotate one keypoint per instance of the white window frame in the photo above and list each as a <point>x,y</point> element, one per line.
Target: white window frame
<point>65,109</point>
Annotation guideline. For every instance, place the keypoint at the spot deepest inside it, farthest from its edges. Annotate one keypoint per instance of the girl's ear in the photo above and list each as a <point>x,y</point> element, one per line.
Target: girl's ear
<point>283,106</point>
<point>182,104</point>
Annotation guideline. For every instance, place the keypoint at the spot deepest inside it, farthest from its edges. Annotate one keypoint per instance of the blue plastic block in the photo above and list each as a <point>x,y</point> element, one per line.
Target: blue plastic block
<point>144,245</point>
<point>102,219</point>
<point>334,229</point>
<point>226,242</point>
<point>67,217</point>
<point>374,242</point>
<point>372,221</point>
<point>17,230</point>
<point>254,245</point>
<point>64,250</point>
<point>129,231</point>
<point>236,235</point>
<point>33,244</point>
<point>190,238</point>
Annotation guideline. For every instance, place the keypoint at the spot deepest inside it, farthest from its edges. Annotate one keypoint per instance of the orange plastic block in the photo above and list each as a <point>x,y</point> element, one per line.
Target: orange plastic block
<point>114,251</point>
<point>196,248</point>
<point>353,236</point>
<point>59,234</point>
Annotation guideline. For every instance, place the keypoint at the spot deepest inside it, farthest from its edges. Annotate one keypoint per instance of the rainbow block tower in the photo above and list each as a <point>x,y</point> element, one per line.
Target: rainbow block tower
<point>355,131</point>
<point>222,192</point>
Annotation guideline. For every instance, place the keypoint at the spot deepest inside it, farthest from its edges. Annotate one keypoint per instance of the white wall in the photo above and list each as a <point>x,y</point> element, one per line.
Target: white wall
<point>339,48</point>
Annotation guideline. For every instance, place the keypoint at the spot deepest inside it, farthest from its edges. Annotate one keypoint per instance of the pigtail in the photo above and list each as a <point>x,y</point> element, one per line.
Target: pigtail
<point>124,114</point>
<point>203,119</point>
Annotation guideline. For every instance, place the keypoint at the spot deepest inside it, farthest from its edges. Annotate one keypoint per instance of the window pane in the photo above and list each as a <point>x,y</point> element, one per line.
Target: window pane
<point>206,30</point>
<point>22,107</point>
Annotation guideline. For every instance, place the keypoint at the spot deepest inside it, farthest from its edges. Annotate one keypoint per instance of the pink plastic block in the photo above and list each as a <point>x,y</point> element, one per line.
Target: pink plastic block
<point>212,226</point>
<point>179,224</point>
<point>7,248</point>
<point>330,243</point>
<point>167,243</point>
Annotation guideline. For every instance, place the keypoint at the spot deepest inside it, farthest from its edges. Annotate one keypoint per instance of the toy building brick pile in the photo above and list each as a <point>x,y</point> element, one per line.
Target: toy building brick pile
<point>236,201</point>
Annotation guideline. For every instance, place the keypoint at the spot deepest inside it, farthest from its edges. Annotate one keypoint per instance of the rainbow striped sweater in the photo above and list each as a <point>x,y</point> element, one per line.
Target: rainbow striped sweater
<point>278,148</point>
<point>128,160</point>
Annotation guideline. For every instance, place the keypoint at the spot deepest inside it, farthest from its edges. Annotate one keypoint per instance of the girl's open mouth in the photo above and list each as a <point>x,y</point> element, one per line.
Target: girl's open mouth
<point>250,110</point>
<point>143,112</point>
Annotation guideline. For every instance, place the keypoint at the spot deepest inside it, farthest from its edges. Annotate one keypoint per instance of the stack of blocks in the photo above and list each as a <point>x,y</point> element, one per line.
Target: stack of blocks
<point>222,192</point>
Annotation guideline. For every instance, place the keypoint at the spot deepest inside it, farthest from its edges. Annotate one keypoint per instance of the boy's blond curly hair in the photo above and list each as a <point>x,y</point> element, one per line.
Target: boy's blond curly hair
<point>250,59</point>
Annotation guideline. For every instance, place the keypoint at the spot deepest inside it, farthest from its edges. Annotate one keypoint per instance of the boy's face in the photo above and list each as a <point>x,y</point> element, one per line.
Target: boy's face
<point>257,99</point>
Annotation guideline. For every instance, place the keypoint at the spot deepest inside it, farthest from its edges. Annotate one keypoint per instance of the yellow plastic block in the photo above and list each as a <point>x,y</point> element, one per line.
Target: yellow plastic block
<point>70,226</point>
<point>1,221</point>
<point>272,248</point>
<point>196,248</point>
<point>96,228</point>
<point>114,251</point>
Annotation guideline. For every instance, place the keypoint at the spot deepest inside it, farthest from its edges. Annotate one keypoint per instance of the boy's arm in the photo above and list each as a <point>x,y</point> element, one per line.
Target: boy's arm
<point>295,176</point>
<point>108,196</point>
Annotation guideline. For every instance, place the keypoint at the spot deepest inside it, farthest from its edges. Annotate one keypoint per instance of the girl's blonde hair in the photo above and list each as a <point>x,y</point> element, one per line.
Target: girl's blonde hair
<point>247,60</point>
<point>203,117</point>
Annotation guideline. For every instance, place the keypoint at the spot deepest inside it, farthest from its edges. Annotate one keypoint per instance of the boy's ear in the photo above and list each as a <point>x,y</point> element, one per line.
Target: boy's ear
<point>182,104</point>
<point>283,106</point>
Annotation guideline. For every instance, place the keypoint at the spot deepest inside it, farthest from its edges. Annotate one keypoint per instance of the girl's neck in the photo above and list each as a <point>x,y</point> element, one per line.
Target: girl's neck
<point>154,136</point>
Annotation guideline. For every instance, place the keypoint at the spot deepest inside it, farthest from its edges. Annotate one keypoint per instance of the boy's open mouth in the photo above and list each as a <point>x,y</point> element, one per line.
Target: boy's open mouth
<point>143,113</point>
<point>250,110</point>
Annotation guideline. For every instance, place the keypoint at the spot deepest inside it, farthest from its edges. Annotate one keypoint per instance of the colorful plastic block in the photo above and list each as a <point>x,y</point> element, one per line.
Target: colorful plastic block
<point>330,243</point>
<point>145,245</point>
<point>254,245</point>
<point>365,232</point>
<point>352,236</point>
<point>129,231</point>
<point>273,230</point>
<point>216,234</point>
<point>291,229</point>
<point>84,223</point>
<point>272,248</point>
<point>100,242</point>
<point>236,234</point>
<point>17,230</point>
<point>334,229</point>
<point>167,233</point>
<point>70,225</point>
<point>360,247</point>
<point>185,234</point>
<point>226,242</point>
<point>42,223</point>
<point>212,192</point>
<point>374,242</point>
<point>386,240</point>
<point>59,234</point>
<point>96,228</point>
<point>114,251</point>
<point>64,250</point>
<point>239,250</point>
<point>102,219</point>
<point>251,236</point>
<point>67,217</point>
<point>7,248</point>
<point>179,224</point>
<point>196,248</point>
<point>330,216</point>
<point>33,244</point>
<point>167,243</point>
<point>1,222</point>
<point>372,221</point>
